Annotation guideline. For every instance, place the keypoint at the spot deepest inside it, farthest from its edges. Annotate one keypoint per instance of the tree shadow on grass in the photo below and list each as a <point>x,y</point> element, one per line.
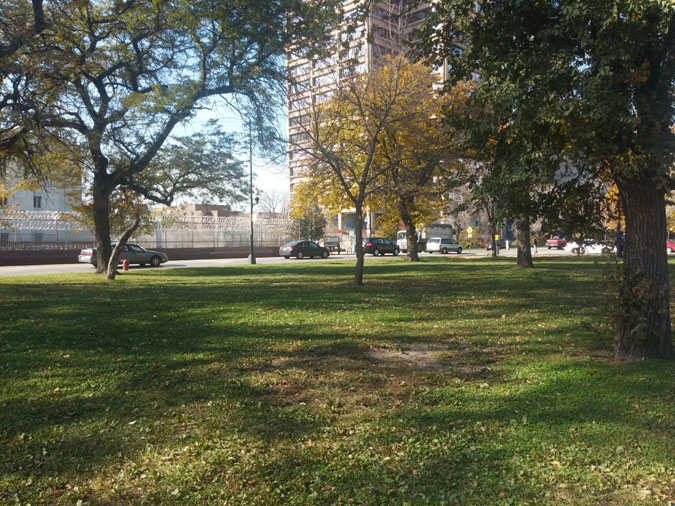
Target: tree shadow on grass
<point>474,444</point>
<point>167,349</point>
<point>345,269</point>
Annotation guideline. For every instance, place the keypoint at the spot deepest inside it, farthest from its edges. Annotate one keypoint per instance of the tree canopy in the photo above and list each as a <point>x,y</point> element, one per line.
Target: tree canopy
<point>201,166</point>
<point>420,152</point>
<point>353,142</point>
<point>589,83</point>
<point>119,76</point>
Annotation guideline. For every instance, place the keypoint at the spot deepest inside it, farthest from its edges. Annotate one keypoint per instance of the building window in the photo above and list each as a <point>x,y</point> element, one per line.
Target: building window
<point>320,98</point>
<point>297,121</point>
<point>352,53</point>
<point>350,71</point>
<point>37,201</point>
<point>324,62</point>
<point>300,103</point>
<point>299,87</point>
<point>377,49</point>
<point>418,16</point>
<point>37,236</point>
<point>353,34</point>
<point>381,32</point>
<point>299,52</point>
<point>298,138</point>
<point>299,70</point>
<point>325,79</point>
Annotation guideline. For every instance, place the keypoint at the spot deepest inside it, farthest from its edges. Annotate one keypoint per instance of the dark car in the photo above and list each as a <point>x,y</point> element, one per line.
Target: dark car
<point>380,246</point>
<point>302,249</point>
<point>132,253</point>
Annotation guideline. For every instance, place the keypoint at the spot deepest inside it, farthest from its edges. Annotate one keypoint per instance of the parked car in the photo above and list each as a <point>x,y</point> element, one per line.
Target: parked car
<point>380,246</point>
<point>590,247</point>
<point>670,246</point>
<point>442,245</point>
<point>133,253</point>
<point>302,249</point>
<point>556,242</point>
<point>501,244</point>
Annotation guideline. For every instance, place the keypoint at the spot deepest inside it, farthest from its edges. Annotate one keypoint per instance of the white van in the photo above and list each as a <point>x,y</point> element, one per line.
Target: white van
<point>443,245</point>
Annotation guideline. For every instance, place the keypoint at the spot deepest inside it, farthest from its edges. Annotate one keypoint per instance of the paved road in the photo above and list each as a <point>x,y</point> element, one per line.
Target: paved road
<point>18,270</point>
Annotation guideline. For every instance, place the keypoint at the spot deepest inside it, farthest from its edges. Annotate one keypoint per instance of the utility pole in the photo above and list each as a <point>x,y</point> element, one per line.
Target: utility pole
<point>250,166</point>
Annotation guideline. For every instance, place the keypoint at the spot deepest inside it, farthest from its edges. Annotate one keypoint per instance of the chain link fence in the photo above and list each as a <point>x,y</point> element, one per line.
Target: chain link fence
<point>40,230</point>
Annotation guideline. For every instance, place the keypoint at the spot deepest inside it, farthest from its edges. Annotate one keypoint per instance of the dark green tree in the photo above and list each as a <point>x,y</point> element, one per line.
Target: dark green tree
<point>579,209</point>
<point>21,23</point>
<point>311,225</point>
<point>587,83</point>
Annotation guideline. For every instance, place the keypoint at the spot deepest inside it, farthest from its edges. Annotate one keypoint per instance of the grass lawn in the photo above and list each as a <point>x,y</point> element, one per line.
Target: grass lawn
<point>451,381</point>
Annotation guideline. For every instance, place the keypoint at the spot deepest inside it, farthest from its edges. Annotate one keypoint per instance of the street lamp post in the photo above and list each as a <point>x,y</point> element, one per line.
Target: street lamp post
<point>250,166</point>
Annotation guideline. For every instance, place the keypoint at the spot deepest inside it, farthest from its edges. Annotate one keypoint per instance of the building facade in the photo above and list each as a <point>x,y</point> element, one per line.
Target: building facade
<point>34,218</point>
<point>357,46</point>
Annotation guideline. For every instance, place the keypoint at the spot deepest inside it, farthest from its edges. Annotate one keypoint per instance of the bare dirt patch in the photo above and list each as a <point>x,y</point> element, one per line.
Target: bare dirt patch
<point>420,356</point>
<point>461,358</point>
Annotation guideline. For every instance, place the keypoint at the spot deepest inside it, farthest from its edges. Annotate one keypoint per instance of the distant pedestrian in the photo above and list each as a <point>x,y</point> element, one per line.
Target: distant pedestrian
<point>535,245</point>
<point>619,241</point>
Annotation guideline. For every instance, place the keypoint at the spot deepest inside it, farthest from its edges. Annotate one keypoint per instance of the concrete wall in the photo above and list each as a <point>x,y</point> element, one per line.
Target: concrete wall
<point>70,256</point>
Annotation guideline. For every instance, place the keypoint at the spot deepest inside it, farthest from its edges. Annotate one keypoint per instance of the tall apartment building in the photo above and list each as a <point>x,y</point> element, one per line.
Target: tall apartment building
<point>383,31</point>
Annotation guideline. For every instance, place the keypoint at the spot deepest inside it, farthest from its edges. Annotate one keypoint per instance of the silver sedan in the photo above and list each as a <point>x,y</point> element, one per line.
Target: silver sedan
<point>133,253</point>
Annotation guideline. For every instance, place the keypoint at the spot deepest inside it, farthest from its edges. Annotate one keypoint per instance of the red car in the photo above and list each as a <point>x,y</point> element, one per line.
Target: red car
<point>670,246</point>
<point>556,242</point>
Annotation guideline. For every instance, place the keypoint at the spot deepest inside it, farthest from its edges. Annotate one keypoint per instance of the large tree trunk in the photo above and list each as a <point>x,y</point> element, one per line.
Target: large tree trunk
<point>410,231</point>
<point>643,324</point>
<point>117,250</point>
<point>101,196</point>
<point>523,234</point>
<point>358,271</point>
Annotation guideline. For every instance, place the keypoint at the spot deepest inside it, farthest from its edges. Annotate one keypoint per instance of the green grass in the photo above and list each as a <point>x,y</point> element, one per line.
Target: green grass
<point>453,381</point>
